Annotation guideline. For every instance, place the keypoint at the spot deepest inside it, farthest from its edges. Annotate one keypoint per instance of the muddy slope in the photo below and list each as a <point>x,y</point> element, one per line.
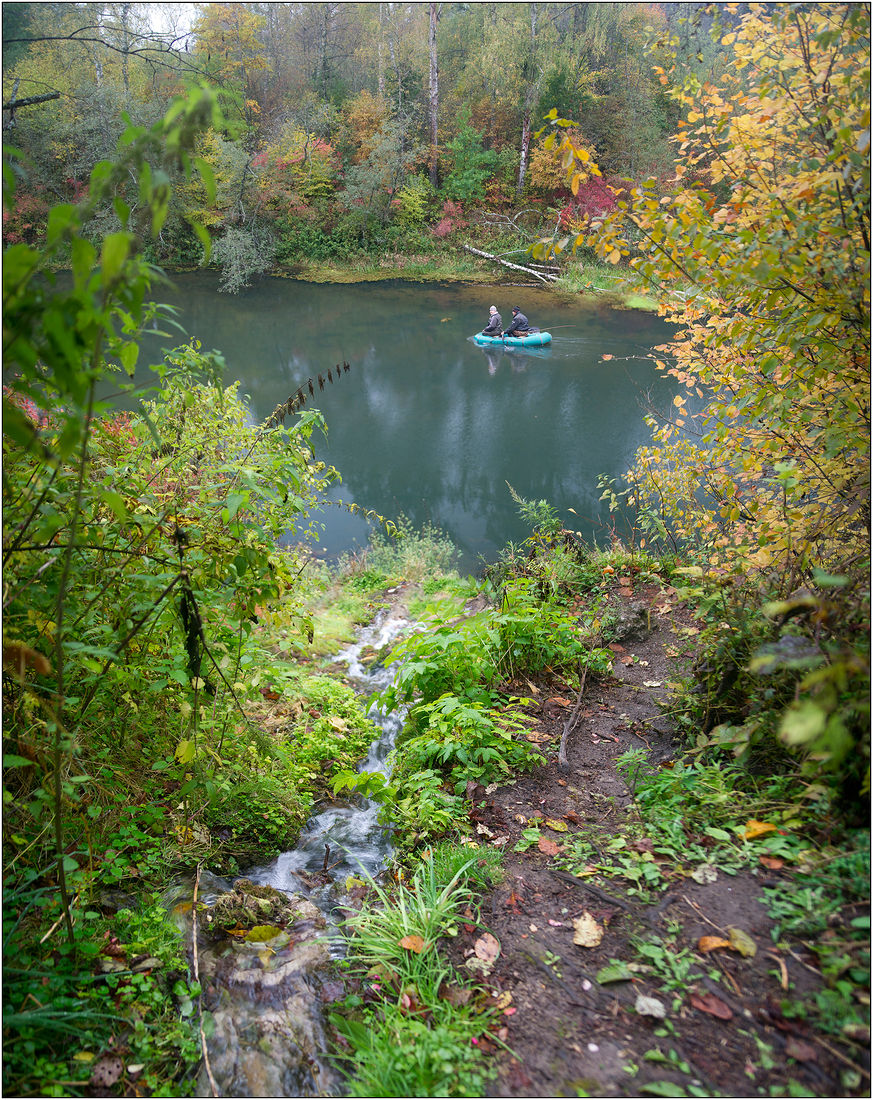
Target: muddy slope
<point>695,1023</point>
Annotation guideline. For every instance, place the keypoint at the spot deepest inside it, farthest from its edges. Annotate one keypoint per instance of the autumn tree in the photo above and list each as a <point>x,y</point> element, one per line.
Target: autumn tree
<point>229,45</point>
<point>760,253</point>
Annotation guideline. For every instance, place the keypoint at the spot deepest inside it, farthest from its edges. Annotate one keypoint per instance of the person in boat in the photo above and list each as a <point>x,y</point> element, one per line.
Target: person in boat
<point>519,325</point>
<point>495,323</point>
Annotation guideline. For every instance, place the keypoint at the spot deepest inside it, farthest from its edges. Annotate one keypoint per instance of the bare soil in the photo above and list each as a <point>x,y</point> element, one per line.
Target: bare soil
<point>564,1033</point>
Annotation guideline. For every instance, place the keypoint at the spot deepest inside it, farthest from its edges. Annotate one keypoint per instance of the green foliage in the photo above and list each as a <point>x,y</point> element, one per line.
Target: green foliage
<point>138,549</point>
<point>412,554</point>
<point>466,740</point>
<point>241,254</point>
<point>262,816</point>
<point>412,1040</point>
<point>409,1057</point>
<point>414,201</point>
<point>471,165</point>
<point>827,906</point>
<point>759,250</point>
<point>60,1011</point>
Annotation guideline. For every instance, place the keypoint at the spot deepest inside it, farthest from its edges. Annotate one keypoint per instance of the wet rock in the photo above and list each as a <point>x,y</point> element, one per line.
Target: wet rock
<point>248,905</point>
<point>368,656</point>
<point>265,1002</point>
<point>632,622</point>
<point>111,901</point>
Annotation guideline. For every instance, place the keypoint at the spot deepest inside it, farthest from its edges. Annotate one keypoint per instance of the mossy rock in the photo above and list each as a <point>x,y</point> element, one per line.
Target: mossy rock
<point>249,905</point>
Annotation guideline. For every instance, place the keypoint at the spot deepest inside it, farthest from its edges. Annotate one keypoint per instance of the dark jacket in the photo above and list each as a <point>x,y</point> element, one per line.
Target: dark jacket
<point>494,326</point>
<point>518,325</point>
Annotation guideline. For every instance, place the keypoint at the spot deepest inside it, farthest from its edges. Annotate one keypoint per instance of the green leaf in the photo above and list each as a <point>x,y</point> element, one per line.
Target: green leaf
<point>616,971</point>
<point>207,175</point>
<point>116,502</point>
<point>662,1088</point>
<point>802,722</point>
<point>826,580</point>
<point>116,248</point>
<point>62,218</point>
<point>234,502</point>
<point>10,760</point>
<point>204,238</point>
<point>128,355</point>
<point>122,210</point>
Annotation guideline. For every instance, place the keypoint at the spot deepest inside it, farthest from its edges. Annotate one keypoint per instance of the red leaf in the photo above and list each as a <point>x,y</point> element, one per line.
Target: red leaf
<point>712,1005</point>
<point>800,1051</point>
<point>548,847</point>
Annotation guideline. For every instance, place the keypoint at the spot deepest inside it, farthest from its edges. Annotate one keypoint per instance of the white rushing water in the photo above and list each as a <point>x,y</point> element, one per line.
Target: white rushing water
<point>350,829</point>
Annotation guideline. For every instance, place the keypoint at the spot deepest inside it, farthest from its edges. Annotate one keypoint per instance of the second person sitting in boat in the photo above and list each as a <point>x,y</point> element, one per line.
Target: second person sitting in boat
<point>519,325</point>
<point>495,323</point>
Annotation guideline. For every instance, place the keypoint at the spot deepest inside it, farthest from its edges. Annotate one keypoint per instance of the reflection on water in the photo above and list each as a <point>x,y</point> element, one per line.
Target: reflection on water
<point>428,424</point>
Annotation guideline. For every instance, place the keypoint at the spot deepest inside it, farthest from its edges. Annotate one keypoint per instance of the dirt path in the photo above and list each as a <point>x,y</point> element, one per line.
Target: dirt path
<point>717,1026</point>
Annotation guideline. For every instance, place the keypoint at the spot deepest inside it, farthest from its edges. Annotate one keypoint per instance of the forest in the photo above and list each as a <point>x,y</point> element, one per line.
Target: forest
<point>628,799</point>
<point>350,132</point>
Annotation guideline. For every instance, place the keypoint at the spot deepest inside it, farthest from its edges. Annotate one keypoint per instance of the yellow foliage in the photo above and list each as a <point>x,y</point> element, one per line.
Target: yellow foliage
<point>760,254</point>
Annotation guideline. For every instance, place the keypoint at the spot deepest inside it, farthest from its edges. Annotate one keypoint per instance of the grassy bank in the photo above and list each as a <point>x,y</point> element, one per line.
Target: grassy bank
<point>578,279</point>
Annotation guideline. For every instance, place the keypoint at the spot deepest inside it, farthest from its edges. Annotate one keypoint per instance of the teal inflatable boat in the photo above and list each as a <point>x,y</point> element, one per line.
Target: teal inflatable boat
<point>532,340</point>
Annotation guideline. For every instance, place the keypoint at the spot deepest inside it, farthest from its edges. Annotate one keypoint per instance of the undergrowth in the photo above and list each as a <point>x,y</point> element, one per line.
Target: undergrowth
<point>413,1023</point>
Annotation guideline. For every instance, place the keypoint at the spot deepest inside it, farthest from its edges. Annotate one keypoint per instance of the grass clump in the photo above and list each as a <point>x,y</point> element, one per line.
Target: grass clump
<point>414,1024</point>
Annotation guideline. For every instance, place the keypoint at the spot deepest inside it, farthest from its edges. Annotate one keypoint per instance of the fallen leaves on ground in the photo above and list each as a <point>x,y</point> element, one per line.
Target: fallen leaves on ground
<point>799,1050</point>
<point>650,1006</point>
<point>710,1004</point>
<point>616,971</point>
<point>548,847</point>
<point>413,943</point>
<point>711,943</point>
<point>741,941</point>
<point>456,995</point>
<point>587,932</point>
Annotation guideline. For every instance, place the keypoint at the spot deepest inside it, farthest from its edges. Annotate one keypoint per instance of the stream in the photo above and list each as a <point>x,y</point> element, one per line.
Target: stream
<point>265,999</point>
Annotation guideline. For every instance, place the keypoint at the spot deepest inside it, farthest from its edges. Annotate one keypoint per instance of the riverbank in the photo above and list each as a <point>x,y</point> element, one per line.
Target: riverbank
<point>577,279</point>
<point>659,924</point>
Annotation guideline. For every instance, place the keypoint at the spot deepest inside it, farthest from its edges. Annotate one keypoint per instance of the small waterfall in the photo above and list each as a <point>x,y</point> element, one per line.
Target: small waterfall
<point>350,829</point>
<point>266,999</point>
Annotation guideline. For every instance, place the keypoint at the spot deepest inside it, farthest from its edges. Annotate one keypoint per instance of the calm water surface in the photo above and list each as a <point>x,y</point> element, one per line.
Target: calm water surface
<point>427,424</point>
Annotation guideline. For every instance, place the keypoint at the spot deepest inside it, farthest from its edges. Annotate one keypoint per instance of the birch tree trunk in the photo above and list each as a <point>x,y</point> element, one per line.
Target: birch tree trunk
<point>434,93</point>
<point>531,86</point>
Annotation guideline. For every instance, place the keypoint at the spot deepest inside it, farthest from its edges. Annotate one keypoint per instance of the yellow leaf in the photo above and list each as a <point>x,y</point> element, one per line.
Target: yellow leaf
<point>413,943</point>
<point>743,943</point>
<point>614,256</point>
<point>185,752</point>
<point>587,932</point>
<point>758,828</point>
<point>711,943</point>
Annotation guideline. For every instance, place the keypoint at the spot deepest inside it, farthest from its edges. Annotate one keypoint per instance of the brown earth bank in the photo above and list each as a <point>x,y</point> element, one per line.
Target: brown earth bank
<point>687,1018</point>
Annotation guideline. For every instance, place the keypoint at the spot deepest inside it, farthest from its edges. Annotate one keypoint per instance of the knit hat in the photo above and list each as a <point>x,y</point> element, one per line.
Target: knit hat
<point>492,309</point>
<point>515,309</point>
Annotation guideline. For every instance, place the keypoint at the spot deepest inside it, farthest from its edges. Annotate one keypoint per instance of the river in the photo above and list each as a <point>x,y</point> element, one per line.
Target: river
<point>425,423</point>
